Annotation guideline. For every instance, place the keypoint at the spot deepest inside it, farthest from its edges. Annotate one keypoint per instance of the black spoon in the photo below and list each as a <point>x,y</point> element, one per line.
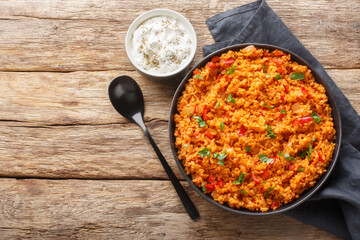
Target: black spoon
<point>127,98</point>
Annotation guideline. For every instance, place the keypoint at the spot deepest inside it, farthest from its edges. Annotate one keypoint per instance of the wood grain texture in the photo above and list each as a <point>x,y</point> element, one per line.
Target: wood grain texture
<point>89,35</point>
<point>62,209</point>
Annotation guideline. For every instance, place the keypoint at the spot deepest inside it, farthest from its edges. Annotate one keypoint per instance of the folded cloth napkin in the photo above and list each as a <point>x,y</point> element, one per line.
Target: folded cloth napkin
<point>336,206</point>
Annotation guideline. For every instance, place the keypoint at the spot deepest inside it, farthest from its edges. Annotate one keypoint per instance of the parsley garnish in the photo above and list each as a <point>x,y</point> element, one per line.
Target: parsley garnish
<point>263,66</point>
<point>240,179</point>
<point>301,169</point>
<point>313,140</point>
<point>316,117</point>
<point>267,75</point>
<point>221,126</point>
<point>248,149</point>
<point>203,187</point>
<point>280,153</point>
<point>265,158</point>
<point>200,121</point>
<point>288,157</point>
<point>265,105</point>
<point>185,145</point>
<point>217,105</point>
<point>303,154</point>
<point>310,151</point>
<point>270,131</point>
<point>230,70</point>
<point>230,99</point>
<point>204,152</point>
<point>198,77</point>
<point>283,111</point>
<point>267,192</point>
<point>277,76</point>
<point>220,157</point>
<point>243,192</point>
<point>297,76</point>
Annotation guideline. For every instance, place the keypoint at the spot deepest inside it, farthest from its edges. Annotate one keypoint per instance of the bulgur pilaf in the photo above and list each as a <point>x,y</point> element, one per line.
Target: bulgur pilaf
<point>254,129</point>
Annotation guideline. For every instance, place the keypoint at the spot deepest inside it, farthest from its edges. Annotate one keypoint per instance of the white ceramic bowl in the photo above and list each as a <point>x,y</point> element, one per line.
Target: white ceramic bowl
<point>148,15</point>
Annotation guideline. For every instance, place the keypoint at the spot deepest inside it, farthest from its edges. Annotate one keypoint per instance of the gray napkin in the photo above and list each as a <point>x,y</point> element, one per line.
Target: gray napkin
<point>336,206</point>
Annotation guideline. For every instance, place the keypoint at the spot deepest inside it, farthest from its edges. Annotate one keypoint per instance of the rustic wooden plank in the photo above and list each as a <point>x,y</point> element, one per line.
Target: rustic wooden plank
<point>43,98</point>
<point>89,35</point>
<point>84,209</point>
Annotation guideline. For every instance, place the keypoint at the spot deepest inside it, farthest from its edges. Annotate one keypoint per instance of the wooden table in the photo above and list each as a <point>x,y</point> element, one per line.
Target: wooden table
<point>71,167</point>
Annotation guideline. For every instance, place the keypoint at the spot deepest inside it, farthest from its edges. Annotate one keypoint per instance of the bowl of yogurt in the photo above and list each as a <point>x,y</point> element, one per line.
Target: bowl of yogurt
<point>160,44</point>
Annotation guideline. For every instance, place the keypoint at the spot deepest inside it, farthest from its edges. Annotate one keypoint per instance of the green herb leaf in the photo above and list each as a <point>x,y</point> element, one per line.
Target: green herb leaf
<point>277,76</point>
<point>203,187</point>
<point>263,66</point>
<point>221,162</point>
<point>267,75</point>
<point>204,152</point>
<point>243,192</point>
<point>200,121</point>
<point>316,117</point>
<point>310,151</point>
<point>270,131</point>
<point>230,99</point>
<point>263,182</point>
<point>240,179</point>
<point>222,156</point>
<point>185,145</point>
<point>313,140</point>
<point>215,155</point>
<point>265,158</point>
<point>217,105</point>
<point>198,77</point>
<point>288,157</point>
<point>280,153</point>
<point>283,111</point>
<point>297,76</point>
<point>303,154</point>
<point>301,169</point>
<point>266,194</point>
<point>222,126</point>
<point>248,149</point>
<point>265,105</point>
<point>230,70</point>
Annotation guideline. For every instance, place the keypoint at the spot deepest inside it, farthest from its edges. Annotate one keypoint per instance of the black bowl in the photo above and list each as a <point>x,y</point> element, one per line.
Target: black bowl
<point>335,115</point>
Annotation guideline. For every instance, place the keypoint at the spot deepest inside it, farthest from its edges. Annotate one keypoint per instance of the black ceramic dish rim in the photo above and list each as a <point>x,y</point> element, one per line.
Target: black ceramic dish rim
<point>335,114</point>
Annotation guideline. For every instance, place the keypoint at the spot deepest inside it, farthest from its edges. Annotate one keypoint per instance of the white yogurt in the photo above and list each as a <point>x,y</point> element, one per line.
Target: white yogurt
<point>161,44</point>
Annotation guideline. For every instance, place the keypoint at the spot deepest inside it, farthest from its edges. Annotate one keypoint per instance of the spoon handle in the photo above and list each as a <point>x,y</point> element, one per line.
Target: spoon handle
<point>188,204</point>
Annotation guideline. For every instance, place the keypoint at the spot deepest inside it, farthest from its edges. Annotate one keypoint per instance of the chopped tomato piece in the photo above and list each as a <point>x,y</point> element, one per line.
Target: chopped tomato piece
<point>220,184</point>
<point>278,61</point>
<point>281,116</point>
<point>196,72</point>
<point>229,61</point>
<point>211,178</point>
<point>292,167</point>
<point>257,180</point>
<point>304,120</point>
<point>274,205</point>
<point>277,109</point>
<point>278,53</point>
<point>213,65</point>
<point>320,158</point>
<point>210,187</point>
<point>242,131</point>
<point>208,134</point>
<point>205,111</point>
<point>286,88</point>
<point>280,70</point>
<point>215,59</point>
<point>304,91</point>
<point>282,97</point>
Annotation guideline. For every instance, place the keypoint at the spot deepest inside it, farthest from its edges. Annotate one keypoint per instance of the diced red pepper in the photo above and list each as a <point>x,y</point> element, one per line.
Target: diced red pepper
<point>281,116</point>
<point>215,59</point>
<point>320,158</point>
<point>229,61</point>
<point>257,180</point>
<point>273,162</point>
<point>220,184</point>
<point>208,134</point>
<point>242,131</point>
<point>213,65</point>
<point>304,91</point>
<point>286,88</point>
<point>205,111</point>
<point>278,61</point>
<point>292,167</point>
<point>304,120</point>
<point>261,114</point>
<point>274,205</point>
<point>211,178</point>
<point>280,70</point>
<point>196,72</point>
<point>277,109</point>
<point>210,187</point>
<point>278,53</point>
<point>265,174</point>
<point>282,97</point>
